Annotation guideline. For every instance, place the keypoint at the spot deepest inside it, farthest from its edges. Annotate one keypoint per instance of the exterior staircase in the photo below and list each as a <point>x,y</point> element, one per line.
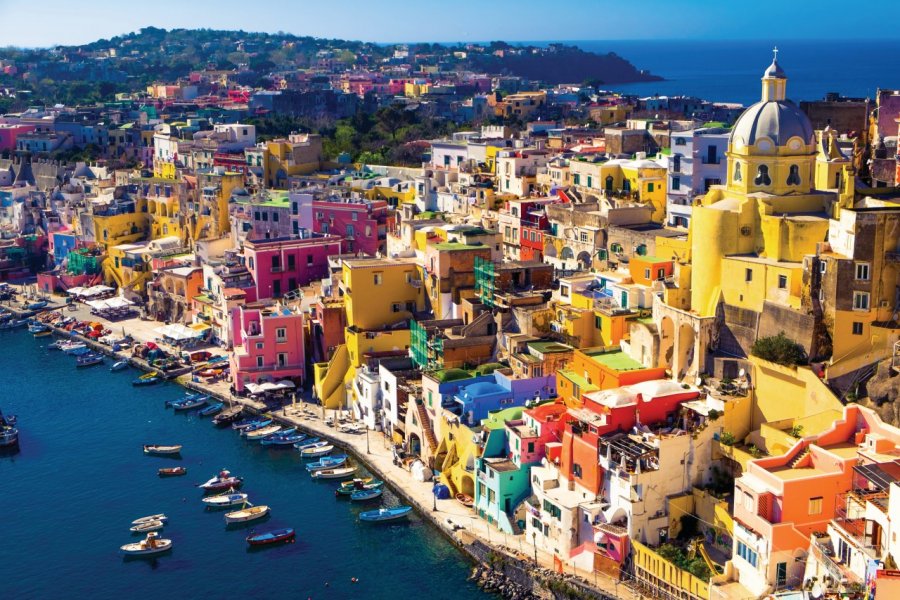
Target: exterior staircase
<point>426,426</point>
<point>800,457</point>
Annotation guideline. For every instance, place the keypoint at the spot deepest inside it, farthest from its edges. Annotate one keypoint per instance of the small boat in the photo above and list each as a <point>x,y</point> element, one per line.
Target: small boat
<point>223,500</point>
<point>279,440</point>
<point>223,481</point>
<point>148,379</point>
<point>147,519</point>
<point>119,365</point>
<point>79,351</point>
<point>69,346</point>
<point>172,471</point>
<point>88,360</point>
<point>209,373</point>
<point>147,526</point>
<point>340,473</point>
<point>385,514</point>
<point>42,333</point>
<point>13,323</point>
<point>256,424</point>
<point>280,434</point>
<point>9,434</point>
<point>366,495</point>
<point>327,462</point>
<point>212,409</point>
<point>319,449</point>
<point>349,487</point>
<point>256,434</point>
<point>247,514</point>
<point>153,544</point>
<point>271,537</point>
<point>307,443</point>
<point>465,500</point>
<point>229,415</point>
<point>35,327</point>
<point>189,404</point>
<point>157,449</point>
<point>36,305</point>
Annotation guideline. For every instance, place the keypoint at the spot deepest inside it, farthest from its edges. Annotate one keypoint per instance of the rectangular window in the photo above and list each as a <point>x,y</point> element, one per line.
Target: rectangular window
<point>676,183</point>
<point>649,187</point>
<point>396,307</point>
<point>782,282</point>
<point>259,345</point>
<point>815,505</point>
<point>282,359</point>
<point>576,470</point>
<point>780,574</point>
<point>857,328</point>
<point>748,275</point>
<point>823,266</point>
<point>259,361</point>
<point>378,278</point>
<point>584,236</point>
<point>291,260</point>
<point>747,554</point>
<point>309,259</point>
<point>275,216</point>
<point>862,271</point>
<point>647,273</point>
<point>355,216</point>
<point>281,334</point>
<point>349,230</point>
<point>860,300</point>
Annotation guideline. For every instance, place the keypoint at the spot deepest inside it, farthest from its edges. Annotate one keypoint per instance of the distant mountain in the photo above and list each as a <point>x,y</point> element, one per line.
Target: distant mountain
<point>561,64</point>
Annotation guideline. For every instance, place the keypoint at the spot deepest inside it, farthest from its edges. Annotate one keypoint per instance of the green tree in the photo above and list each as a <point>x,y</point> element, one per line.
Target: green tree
<point>779,349</point>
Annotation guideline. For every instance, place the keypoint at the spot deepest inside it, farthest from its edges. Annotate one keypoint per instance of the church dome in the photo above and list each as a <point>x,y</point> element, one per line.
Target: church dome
<point>775,70</point>
<point>778,120</point>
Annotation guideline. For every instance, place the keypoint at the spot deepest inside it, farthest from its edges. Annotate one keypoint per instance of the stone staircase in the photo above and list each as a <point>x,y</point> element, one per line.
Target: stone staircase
<point>799,458</point>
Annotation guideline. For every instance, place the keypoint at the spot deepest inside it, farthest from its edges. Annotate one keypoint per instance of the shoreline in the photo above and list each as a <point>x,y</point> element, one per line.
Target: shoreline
<point>483,545</point>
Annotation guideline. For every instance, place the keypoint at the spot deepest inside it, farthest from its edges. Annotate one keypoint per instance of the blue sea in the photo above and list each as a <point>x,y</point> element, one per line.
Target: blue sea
<point>70,493</point>
<point>729,70</point>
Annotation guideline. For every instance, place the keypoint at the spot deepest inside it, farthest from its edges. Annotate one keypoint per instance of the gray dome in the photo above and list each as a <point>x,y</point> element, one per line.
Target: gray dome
<point>777,120</point>
<point>775,70</point>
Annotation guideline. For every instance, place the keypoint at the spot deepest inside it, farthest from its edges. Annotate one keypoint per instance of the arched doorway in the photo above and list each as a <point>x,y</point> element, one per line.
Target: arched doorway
<point>584,261</point>
<point>566,254</point>
<point>415,445</point>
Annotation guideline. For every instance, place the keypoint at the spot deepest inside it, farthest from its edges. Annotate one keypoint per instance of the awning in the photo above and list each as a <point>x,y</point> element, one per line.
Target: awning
<point>75,291</point>
<point>109,303</point>
<point>178,332</point>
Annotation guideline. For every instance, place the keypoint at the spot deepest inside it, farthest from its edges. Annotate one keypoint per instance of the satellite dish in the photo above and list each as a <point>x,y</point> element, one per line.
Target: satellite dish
<point>698,381</point>
<point>742,373</point>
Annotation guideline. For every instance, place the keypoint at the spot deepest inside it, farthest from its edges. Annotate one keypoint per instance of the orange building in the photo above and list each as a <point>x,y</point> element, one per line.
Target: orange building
<point>647,269</point>
<point>600,368</point>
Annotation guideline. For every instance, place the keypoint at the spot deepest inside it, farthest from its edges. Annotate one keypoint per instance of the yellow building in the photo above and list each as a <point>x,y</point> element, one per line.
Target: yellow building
<point>619,182</point>
<point>112,226</point>
<point>769,209</point>
<point>380,297</point>
<point>208,218</point>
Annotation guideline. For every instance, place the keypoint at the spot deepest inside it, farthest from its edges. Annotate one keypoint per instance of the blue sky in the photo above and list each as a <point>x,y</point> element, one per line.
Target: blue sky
<point>48,22</point>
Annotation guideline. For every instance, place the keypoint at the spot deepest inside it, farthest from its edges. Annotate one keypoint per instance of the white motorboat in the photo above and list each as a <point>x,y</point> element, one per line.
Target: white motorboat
<point>152,544</point>
<point>160,449</point>
<point>147,526</point>
<point>247,514</point>
<point>119,365</point>
<point>263,432</point>
<point>159,517</point>
<point>223,500</point>
<point>340,473</point>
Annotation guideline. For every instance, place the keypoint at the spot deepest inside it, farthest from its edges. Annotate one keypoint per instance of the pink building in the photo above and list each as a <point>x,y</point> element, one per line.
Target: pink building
<point>268,345</point>
<point>537,434</point>
<point>363,224</point>
<point>282,265</point>
<point>9,133</point>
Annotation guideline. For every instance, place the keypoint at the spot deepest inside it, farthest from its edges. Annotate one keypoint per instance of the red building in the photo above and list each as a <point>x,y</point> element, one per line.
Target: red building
<point>363,224</point>
<point>282,265</point>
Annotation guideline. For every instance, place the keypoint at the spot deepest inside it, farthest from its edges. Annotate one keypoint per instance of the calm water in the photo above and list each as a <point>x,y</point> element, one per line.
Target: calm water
<point>68,497</point>
<point>729,70</point>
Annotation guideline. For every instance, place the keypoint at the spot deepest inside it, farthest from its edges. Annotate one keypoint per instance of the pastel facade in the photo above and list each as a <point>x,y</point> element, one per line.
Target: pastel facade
<point>268,345</point>
<point>281,266</point>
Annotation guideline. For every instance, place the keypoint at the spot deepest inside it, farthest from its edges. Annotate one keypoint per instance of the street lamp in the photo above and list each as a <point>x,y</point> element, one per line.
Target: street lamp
<point>433,499</point>
<point>534,541</point>
<point>367,440</point>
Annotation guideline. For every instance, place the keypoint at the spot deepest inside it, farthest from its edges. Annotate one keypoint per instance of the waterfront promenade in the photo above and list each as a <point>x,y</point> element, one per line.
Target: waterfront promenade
<point>374,451</point>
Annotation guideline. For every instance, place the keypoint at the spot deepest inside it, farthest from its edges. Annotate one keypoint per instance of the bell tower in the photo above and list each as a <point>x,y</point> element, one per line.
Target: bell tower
<point>774,81</point>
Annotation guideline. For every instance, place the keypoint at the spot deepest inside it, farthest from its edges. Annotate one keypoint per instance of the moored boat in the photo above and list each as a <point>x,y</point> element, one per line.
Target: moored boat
<point>366,495</point>
<point>147,526</point>
<point>255,424</point>
<point>465,500</point>
<point>88,360</point>
<point>256,434</point>
<point>318,449</point>
<point>307,443</point>
<point>189,403</point>
<point>327,462</point>
<point>119,365</point>
<point>148,379</point>
<point>212,409</point>
<point>349,487</point>
<point>339,473</point>
<point>147,519</point>
<point>172,472</point>
<point>279,440</point>
<point>13,323</point>
<point>223,481</point>
<point>153,544</point>
<point>223,500</point>
<point>276,536</point>
<point>9,433</point>
<point>385,514</point>
<point>247,514</point>
<point>159,449</point>
<point>228,416</point>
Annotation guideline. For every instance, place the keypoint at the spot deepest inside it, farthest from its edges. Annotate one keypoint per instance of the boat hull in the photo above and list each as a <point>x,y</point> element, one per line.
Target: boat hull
<point>385,514</point>
<point>244,516</point>
<point>141,549</point>
<point>280,536</point>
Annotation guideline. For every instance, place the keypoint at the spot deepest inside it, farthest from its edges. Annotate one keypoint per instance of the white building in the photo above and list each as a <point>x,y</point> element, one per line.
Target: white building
<point>697,162</point>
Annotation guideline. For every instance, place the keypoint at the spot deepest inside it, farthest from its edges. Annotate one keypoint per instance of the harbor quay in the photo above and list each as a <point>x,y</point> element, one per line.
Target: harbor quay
<point>483,543</point>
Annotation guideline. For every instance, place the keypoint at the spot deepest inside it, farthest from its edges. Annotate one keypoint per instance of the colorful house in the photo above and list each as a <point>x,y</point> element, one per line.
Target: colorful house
<point>268,345</point>
<point>601,368</point>
<point>280,266</point>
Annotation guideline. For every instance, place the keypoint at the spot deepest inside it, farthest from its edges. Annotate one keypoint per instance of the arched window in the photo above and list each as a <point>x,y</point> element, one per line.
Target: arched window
<point>738,177</point>
<point>762,176</point>
<point>641,250</point>
<point>616,248</point>
<point>794,175</point>
<point>609,183</point>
